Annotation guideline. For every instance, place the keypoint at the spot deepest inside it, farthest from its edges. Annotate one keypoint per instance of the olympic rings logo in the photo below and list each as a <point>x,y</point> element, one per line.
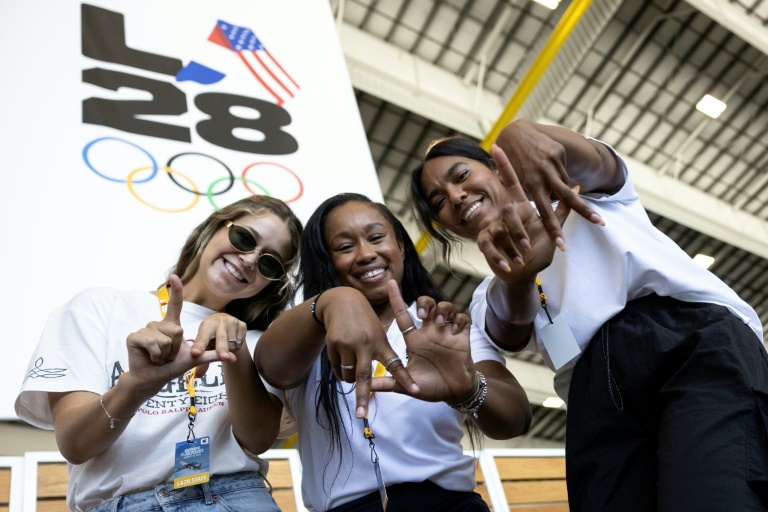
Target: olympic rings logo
<point>183,181</point>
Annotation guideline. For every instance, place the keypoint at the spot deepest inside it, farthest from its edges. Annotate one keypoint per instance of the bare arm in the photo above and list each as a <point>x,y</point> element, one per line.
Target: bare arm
<point>510,314</point>
<point>506,412</point>
<point>289,347</point>
<point>254,412</point>
<point>81,426</point>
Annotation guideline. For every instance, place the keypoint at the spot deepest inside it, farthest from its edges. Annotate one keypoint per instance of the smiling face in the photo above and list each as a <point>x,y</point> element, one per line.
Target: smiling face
<point>226,274</point>
<point>364,249</point>
<point>463,193</point>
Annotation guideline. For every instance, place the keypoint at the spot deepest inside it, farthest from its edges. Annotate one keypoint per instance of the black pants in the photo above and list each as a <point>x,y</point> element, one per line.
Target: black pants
<point>417,497</point>
<point>668,411</point>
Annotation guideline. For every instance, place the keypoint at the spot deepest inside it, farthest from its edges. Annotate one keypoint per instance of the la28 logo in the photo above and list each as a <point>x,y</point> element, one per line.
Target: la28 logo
<point>103,39</point>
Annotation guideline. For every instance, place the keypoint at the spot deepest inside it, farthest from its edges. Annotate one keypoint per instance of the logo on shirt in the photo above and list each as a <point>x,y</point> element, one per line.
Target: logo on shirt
<point>174,398</point>
<point>38,372</point>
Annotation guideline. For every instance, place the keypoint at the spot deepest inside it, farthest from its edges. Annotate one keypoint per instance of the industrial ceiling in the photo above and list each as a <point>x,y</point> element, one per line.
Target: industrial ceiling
<point>629,73</point>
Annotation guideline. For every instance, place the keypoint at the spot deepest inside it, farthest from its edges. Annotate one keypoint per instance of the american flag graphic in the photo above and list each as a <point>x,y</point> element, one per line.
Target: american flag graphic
<point>252,52</point>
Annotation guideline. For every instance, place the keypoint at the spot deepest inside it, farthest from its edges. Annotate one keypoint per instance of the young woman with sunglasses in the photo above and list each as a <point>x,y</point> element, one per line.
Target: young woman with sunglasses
<point>356,260</point>
<point>660,362</point>
<point>118,398</point>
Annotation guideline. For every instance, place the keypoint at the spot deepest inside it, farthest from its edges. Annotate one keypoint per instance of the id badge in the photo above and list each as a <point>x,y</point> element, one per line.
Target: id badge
<point>192,463</point>
<point>559,342</point>
<point>382,487</point>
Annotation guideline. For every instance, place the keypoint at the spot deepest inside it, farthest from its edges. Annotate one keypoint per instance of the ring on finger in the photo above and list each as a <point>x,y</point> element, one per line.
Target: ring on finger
<point>409,330</point>
<point>235,344</point>
<point>391,362</point>
<point>347,366</point>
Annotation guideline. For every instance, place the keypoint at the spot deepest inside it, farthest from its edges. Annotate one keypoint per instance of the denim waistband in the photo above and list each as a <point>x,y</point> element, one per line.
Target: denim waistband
<point>164,494</point>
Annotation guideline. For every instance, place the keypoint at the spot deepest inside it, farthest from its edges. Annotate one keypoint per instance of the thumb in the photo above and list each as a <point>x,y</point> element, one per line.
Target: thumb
<point>175,300</point>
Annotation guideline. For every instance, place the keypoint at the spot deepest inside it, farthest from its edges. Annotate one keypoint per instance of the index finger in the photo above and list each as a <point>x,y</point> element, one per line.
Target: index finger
<point>175,300</point>
<point>399,307</point>
<point>404,323</point>
<point>508,175</point>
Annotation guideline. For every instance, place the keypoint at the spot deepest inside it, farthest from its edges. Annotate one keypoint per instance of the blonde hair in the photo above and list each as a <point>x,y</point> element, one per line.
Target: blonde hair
<point>257,311</point>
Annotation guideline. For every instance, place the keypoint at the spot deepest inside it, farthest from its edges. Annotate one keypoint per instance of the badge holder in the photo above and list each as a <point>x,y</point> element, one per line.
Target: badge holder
<point>368,435</point>
<point>193,456</point>
<point>557,336</point>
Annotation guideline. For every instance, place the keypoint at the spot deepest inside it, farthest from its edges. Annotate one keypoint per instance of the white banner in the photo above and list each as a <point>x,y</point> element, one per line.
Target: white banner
<point>126,123</point>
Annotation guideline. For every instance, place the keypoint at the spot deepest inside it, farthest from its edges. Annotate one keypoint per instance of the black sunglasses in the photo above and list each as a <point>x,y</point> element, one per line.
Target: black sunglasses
<point>242,240</point>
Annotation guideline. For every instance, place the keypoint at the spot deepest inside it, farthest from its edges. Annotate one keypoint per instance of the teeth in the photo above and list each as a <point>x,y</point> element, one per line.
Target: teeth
<point>470,210</point>
<point>233,271</point>
<point>372,273</point>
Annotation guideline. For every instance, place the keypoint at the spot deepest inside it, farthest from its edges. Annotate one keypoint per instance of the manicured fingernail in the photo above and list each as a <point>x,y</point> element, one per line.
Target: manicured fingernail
<point>526,244</point>
<point>440,320</point>
<point>421,313</point>
<point>518,261</point>
<point>576,188</point>
<point>560,243</point>
<point>415,388</point>
<point>503,264</point>
<point>596,219</point>
<point>360,413</point>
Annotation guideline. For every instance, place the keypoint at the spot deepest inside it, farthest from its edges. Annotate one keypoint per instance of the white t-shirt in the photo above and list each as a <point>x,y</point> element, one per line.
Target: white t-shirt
<point>83,348</point>
<point>604,267</point>
<point>415,440</point>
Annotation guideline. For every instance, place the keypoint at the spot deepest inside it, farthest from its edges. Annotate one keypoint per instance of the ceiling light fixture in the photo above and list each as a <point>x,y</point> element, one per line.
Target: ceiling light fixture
<point>711,106</point>
<point>553,402</point>
<point>703,260</point>
<point>549,4</point>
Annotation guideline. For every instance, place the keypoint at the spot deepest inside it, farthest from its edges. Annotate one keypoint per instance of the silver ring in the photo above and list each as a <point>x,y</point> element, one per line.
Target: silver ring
<point>347,367</point>
<point>390,363</point>
<point>409,330</point>
<point>235,344</point>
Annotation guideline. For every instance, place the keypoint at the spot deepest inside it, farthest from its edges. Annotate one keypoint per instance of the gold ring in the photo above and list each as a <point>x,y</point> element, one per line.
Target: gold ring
<point>409,330</point>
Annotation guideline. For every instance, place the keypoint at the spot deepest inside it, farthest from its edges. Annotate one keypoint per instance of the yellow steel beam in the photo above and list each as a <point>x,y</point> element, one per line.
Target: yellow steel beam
<point>423,242</point>
<point>556,40</point>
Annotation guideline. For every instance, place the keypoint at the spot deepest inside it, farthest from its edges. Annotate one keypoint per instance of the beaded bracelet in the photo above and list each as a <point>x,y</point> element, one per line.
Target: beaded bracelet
<point>313,307</point>
<point>473,403</point>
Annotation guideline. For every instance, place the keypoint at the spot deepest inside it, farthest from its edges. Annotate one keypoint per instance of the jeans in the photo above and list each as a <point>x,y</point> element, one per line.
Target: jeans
<point>224,493</point>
